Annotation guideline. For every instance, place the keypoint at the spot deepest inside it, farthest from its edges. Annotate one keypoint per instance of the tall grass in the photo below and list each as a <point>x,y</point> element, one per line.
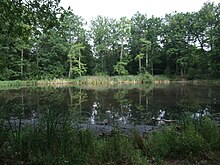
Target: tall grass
<point>161,79</point>
<point>55,141</point>
<point>113,80</point>
<point>17,83</point>
<point>145,78</point>
<point>192,140</point>
<point>68,146</point>
<point>55,82</point>
<point>27,83</point>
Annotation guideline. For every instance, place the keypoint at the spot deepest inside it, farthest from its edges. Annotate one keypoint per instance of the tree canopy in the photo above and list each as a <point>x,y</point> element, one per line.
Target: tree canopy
<point>40,39</point>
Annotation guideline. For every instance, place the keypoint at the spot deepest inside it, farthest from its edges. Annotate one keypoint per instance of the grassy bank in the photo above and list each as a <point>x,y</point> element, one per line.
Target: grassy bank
<point>84,80</point>
<point>114,80</point>
<point>53,143</point>
<point>201,82</point>
<point>28,83</point>
<point>17,83</point>
<point>120,80</point>
<point>104,81</point>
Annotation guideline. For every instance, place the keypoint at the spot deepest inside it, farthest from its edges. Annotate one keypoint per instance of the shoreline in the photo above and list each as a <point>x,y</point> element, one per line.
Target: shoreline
<point>102,80</point>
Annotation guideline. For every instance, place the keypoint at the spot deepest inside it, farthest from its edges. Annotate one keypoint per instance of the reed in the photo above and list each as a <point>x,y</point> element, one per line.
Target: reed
<point>114,80</point>
<point>28,83</point>
<point>161,79</point>
<point>17,83</point>
<point>55,141</point>
<point>89,80</point>
<point>55,82</point>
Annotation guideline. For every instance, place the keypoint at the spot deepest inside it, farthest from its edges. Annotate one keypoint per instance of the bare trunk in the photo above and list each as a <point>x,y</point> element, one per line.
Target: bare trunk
<point>70,69</point>
<point>80,101</point>
<point>22,102</point>
<point>147,103</point>
<point>71,96</point>
<point>121,54</point>
<point>37,61</point>
<point>22,65</point>
<point>79,63</point>
<point>140,98</point>
<point>102,63</point>
<point>147,61</point>
<point>139,65</point>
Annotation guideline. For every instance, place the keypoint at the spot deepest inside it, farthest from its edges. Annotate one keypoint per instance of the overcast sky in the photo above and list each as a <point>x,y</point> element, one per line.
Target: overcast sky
<point>89,9</point>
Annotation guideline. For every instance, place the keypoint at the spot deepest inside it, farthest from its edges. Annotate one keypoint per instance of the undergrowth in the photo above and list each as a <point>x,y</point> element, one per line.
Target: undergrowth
<point>56,142</point>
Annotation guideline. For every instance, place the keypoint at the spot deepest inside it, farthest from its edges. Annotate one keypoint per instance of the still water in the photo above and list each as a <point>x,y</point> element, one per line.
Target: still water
<point>110,105</point>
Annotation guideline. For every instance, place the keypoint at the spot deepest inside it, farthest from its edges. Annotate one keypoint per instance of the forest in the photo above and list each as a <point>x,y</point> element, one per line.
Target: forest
<point>39,39</point>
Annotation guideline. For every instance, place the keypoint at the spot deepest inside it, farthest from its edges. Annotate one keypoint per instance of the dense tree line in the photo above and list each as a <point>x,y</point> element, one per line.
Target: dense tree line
<point>39,39</point>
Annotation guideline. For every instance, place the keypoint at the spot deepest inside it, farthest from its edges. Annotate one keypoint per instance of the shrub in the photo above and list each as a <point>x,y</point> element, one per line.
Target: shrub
<point>210,132</point>
<point>190,143</point>
<point>161,144</point>
<point>119,149</point>
<point>192,140</point>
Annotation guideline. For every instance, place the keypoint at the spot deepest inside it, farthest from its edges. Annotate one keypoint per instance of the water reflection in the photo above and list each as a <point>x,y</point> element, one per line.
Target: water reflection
<point>111,106</point>
<point>160,118</point>
<point>94,113</point>
<point>201,113</point>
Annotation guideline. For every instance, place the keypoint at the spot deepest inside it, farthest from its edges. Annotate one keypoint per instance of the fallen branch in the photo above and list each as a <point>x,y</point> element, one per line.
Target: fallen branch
<point>164,120</point>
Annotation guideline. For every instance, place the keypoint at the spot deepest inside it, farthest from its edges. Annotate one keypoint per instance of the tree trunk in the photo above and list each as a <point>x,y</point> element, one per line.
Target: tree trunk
<point>71,96</point>
<point>121,54</point>
<point>139,65</point>
<point>147,103</point>
<point>102,62</point>
<point>147,60</point>
<point>79,63</point>
<point>37,61</point>
<point>80,101</point>
<point>22,65</point>
<point>140,98</point>
<point>22,101</point>
<point>70,68</point>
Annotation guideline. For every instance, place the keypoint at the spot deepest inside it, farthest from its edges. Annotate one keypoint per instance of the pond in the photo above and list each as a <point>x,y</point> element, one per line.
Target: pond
<point>135,105</point>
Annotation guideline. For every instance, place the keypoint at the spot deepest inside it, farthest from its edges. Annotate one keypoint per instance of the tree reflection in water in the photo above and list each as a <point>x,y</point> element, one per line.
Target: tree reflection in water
<point>133,105</point>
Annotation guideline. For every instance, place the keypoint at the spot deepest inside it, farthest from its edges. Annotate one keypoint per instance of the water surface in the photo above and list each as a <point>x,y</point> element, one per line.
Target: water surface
<point>112,104</point>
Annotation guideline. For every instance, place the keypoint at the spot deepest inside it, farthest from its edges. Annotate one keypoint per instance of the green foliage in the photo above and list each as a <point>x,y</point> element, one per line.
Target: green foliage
<point>209,132</point>
<point>96,80</point>
<point>194,140</point>
<point>191,143</point>
<point>119,68</point>
<point>161,143</point>
<point>17,83</point>
<point>139,56</point>
<point>55,143</point>
<point>160,77</point>
<point>146,77</point>
<point>76,66</point>
<point>118,149</point>
<point>54,140</point>
<point>36,39</point>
